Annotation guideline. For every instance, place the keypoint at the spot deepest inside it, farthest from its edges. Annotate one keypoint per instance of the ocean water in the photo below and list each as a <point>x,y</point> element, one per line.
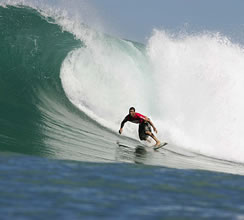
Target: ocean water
<point>64,89</point>
<point>37,188</point>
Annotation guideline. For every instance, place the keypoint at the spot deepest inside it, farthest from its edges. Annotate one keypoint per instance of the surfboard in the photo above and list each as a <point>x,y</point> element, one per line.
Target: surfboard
<point>142,147</point>
<point>161,145</point>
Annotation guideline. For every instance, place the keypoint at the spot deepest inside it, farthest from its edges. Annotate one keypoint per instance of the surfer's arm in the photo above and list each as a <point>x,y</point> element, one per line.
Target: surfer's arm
<point>150,122</point>
<point>122,124</point>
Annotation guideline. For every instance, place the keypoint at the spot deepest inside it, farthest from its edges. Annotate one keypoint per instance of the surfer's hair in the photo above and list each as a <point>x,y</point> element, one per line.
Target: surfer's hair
<point>132,108</point>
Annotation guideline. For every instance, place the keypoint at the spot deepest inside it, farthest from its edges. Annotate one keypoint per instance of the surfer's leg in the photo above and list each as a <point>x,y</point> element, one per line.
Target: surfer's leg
<point>142,134</point>
<point>148,140</point>
<point>148,131</point>
<point>153,137</point>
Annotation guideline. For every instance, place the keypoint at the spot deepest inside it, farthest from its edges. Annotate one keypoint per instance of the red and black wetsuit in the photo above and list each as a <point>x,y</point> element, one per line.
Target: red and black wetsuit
<point>138,119</point>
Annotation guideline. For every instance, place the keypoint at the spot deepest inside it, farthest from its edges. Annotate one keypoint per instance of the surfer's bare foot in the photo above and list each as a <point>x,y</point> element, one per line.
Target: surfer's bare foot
<point>157,144</point>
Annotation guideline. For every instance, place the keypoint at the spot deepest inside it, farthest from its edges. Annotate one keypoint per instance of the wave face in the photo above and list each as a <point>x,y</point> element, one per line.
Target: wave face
<point>36,116</point>
<point>190,86</point>
<point>32,51</point>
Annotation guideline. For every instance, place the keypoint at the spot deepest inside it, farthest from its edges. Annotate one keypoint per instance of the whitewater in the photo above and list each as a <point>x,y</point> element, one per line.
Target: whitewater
<point>190,85</point>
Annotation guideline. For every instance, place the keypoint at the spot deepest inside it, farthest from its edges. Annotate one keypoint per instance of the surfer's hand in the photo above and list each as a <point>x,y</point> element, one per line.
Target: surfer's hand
<point>155,129</point>
<point>120,130</point>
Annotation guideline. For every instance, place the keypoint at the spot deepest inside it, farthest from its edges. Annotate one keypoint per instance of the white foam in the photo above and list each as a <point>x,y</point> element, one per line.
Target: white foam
<point>105,78</point>
<point>200,81</point>
<point>191,86</point>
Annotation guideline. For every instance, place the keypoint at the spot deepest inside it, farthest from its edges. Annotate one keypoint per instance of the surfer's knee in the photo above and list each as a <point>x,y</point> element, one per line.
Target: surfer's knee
<point>148,133</point>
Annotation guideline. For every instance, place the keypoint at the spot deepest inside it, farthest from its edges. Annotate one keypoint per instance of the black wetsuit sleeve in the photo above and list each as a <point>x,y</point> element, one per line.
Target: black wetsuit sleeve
<point>124,121</point>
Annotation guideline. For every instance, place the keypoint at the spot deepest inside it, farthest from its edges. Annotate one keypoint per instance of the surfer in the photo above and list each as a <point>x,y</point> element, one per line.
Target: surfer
<point>144,125</point>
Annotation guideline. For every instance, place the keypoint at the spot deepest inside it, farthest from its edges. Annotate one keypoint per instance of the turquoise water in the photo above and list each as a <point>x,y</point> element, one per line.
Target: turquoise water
<point>59,160</point>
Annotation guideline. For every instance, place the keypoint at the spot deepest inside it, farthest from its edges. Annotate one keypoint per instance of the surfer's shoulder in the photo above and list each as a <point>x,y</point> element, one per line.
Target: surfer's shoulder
<point>137,114</point>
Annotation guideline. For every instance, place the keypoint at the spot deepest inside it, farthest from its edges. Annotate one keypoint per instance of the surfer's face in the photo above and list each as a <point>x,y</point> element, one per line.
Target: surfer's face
<point>132,113</point>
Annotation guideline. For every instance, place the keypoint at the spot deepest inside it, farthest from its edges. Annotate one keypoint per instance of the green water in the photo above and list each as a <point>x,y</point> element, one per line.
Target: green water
<point>32,51</point>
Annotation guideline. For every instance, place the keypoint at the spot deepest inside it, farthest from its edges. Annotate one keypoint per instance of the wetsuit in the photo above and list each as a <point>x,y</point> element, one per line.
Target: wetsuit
<point>143,125</point>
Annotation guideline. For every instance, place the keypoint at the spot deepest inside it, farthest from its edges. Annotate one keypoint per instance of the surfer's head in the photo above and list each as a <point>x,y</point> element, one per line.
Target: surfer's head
<point>132,111</point>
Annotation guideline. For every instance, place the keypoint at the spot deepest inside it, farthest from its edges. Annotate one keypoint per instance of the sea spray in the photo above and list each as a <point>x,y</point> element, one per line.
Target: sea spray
<point>200,82</point>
